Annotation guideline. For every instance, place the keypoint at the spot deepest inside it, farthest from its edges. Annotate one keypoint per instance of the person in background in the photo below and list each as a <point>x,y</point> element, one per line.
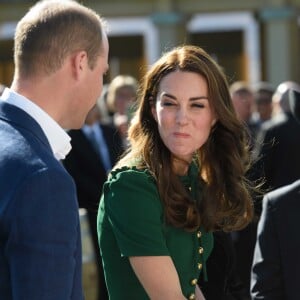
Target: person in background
<point>242,96</point>
<point>276,263</point>
<point>95,149</point>
<point>263,94</point>
<point>121,96</point>
<point>105,118</point>
<point>60,56</point>
<point>224,281</point>
<point>181,179</point>
<point>278,143</point>
<point>2,87</point>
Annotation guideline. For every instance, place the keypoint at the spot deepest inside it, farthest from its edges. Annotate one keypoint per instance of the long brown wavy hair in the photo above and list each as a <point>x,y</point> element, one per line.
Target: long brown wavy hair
<point>223,160</point>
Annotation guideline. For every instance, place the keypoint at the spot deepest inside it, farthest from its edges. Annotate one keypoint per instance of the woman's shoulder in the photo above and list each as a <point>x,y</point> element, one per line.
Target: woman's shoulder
<point>131,173</point>
<point>131,186</point>
<point>131,180</point>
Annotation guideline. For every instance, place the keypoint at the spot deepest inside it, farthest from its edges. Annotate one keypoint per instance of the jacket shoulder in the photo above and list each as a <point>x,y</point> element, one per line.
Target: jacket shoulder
<point>285,195</point>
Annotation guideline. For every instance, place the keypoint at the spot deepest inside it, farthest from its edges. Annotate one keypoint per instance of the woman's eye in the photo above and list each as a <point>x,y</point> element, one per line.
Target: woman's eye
<point>168,103</point>
<point>198,105</point>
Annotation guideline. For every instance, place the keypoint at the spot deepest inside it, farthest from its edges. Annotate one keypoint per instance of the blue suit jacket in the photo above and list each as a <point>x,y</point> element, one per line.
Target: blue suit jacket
<point>276,266</point>
<point>40,246</point>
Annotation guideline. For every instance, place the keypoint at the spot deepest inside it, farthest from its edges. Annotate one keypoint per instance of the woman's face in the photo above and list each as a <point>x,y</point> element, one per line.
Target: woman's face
<point>183,113</point>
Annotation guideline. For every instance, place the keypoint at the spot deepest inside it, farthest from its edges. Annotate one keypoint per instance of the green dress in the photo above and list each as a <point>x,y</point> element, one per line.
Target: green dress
<point>131,223</point>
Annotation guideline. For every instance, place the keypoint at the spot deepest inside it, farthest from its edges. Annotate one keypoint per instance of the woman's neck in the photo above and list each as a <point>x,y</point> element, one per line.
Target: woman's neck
<point>180,167</point>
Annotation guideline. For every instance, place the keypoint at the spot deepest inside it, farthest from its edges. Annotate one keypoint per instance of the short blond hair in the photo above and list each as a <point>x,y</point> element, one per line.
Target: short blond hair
<point>50,31</point>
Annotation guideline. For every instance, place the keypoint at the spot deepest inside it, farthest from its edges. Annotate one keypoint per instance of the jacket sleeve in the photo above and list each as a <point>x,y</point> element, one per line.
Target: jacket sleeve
<point>266,280</point>
<point>43,248</point>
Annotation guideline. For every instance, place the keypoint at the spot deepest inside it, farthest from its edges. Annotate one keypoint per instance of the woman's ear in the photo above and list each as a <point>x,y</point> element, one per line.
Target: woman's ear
<point>153,108</point>
<point>214,121</point>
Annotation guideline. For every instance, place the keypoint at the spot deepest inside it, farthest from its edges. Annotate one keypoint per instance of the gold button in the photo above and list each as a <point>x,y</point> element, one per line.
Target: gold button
<point>194,281</point>
<point>199,234</point>
<point>192,296</point>
<point>201,250</point>
<point>199,266</point>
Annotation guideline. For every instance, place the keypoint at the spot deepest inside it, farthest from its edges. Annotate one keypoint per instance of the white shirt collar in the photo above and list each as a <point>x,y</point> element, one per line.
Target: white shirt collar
<point>58,139</point>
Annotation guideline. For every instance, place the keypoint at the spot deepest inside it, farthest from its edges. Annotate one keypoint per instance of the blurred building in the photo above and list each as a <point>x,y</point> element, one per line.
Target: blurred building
<point>252,40</point>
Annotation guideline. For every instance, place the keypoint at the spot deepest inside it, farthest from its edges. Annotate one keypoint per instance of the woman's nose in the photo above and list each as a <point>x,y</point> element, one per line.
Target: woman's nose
<point>182,117</point>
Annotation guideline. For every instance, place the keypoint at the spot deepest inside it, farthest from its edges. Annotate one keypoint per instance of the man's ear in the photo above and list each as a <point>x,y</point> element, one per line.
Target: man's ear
<point>79,63</point>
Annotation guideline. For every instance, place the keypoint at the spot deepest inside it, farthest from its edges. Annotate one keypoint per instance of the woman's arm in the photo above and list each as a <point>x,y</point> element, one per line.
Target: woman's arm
<point>199,295</point>
<point>158,276</point>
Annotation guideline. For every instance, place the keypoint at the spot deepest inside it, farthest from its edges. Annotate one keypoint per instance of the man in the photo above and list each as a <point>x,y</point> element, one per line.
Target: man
<point>278,143</point>
<point>60,55</point>
<point>276,264</point>
<point>263,93</point>
<point>242,97</point>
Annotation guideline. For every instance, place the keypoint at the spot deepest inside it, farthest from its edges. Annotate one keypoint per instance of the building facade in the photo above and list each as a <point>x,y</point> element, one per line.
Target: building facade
<point>252,40</point>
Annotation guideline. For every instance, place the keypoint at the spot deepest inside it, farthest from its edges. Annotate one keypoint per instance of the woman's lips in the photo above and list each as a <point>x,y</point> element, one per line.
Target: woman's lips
<point>181,134</point>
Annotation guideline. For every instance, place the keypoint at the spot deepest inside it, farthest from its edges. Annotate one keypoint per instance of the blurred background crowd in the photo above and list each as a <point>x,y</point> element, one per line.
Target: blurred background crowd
<point>252,40</point>
<point>256,42</point>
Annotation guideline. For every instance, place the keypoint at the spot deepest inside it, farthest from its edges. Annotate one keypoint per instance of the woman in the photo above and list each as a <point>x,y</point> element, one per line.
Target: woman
<point>182,178</point>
